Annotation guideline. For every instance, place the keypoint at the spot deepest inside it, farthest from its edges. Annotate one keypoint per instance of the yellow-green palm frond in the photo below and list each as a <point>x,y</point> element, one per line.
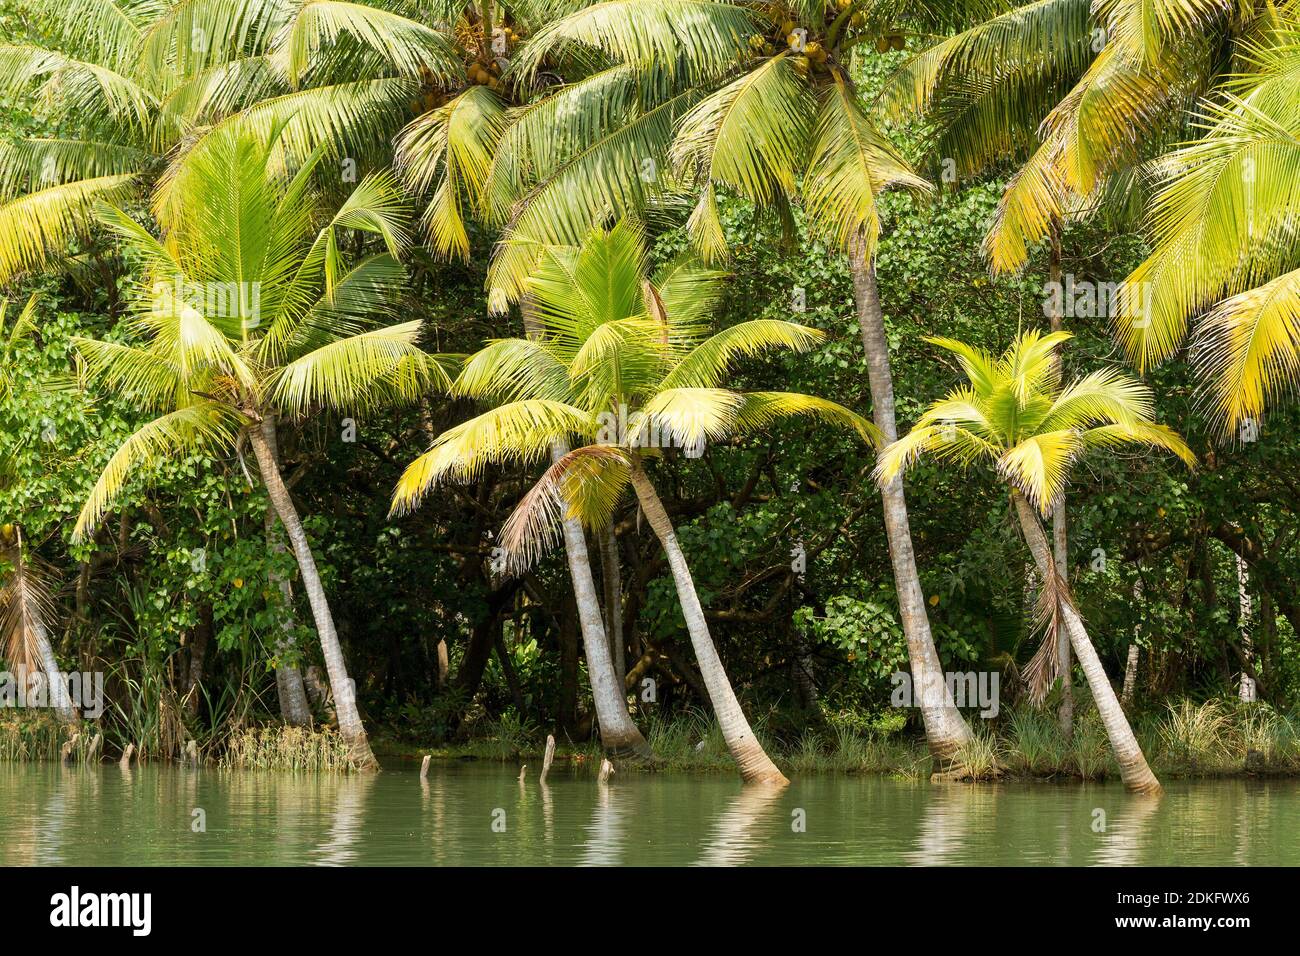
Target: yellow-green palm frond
<point>204,426</point>
<point>1223,223</point>
<point>1141,433</point>
<point>752,135</point>
<point>977,365</point>
<point>1039,466</point>
<point>40,224</point>
<point>151,381</point>
<point>516,432</point>
<point>346,119</point>
<point>701,38</point>
<point>1247,350</point>
<point>453,146</point>
<point>618,359</point>
<point>1114,108</point>
<point>1047,37</point>
<point>171,308</point>
<point>850,164</point>
<point>406,45</point>
<point>383,366</point>
<point>760,409</point>
<point>1148,29</point>
<point>108,32</point>
<point>369,290</point>
<point>509,370</point>
<point>1107,396</point>
<point>945,442</point>
<point>577,289</point>
<point>208,96</point>
<point>584,484</point>
<point>1033,200</point>
<point>607,176</point>
<point>73,88</point>
<point>685,417</point>
<point>195,35</point>
<point>42,163</point>
<point>377,206</point>
<point>690,292</point>
<point>1030,364</point>
<point>705,365</point>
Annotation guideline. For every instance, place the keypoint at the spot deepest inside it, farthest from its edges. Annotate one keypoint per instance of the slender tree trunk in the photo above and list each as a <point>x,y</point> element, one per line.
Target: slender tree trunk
<point>1246,686</point>
<point>1137,776</point>
<point>612,579</point>
<point>200,638</point>
<point>341,686</point>
<point>946,731</point>
<point>288,678</point>
<point>754,763</point>
<point>1130,676</point>
<point>1131,664</point>
<point>1060,534</point>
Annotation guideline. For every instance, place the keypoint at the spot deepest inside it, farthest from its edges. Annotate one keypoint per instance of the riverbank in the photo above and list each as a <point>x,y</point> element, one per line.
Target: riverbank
<point>1215,738</point>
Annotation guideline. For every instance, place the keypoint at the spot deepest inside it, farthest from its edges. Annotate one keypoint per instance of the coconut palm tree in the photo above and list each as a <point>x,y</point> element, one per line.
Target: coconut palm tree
<point>25,605</point>
<point>624,364</point>
<point>688,96</point>
<point>250,309</point>
<point>1015,413</point>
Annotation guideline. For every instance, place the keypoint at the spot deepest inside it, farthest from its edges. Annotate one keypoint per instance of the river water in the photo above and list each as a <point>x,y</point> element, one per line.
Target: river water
<point>479,814</point>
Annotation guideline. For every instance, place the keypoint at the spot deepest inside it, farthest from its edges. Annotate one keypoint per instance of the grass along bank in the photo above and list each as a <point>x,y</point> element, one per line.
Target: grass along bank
<point>1213,738</point>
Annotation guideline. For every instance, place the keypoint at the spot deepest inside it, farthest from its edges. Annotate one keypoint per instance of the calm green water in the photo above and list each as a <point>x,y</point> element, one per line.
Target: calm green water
<point>478,814</point>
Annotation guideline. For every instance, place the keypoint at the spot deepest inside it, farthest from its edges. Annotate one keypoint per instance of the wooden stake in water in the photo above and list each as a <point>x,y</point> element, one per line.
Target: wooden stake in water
<point>550,755</point>
<point>94,747</point>
<point>424,767</point>
<point>126,756</point>
<point>522,770</point>
<point>65,753</point>
<point>606,771</point>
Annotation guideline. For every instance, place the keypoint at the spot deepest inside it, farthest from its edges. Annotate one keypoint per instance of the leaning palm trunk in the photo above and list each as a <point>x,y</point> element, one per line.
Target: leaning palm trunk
<point>1060,529</point>
<point>345,699</point>
<point>288,679</point>
<point>612,581</point>
<point>754,763</point>
<point>618,734</point>
<point>946,731</point>
<point>1133,769</point>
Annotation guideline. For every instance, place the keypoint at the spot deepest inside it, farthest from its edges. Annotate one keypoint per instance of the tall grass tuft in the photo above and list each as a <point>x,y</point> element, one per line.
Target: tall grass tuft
<point>287,748</point>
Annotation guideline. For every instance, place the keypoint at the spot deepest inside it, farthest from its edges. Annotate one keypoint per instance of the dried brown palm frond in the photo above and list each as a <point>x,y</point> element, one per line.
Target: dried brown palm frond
<point>25,606</point>
<point>1044,667</point>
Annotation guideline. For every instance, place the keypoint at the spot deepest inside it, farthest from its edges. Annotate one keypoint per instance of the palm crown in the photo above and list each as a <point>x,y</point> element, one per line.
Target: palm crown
<point>1015,413</point>
<point>662,100</point>
<point>249,306</point>
<point>619,361</point>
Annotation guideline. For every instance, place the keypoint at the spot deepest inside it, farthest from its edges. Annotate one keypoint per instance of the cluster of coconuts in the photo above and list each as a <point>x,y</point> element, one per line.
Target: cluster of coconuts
<point>489,75</point>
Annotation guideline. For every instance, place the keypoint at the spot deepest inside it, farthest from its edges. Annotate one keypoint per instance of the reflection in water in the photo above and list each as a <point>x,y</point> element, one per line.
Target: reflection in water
<point>732,841</point>
<point>1125,836</point>
<point>952,811</point>
<point>96,816</point>
<point>340,847</point>
<point>605,833</point>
